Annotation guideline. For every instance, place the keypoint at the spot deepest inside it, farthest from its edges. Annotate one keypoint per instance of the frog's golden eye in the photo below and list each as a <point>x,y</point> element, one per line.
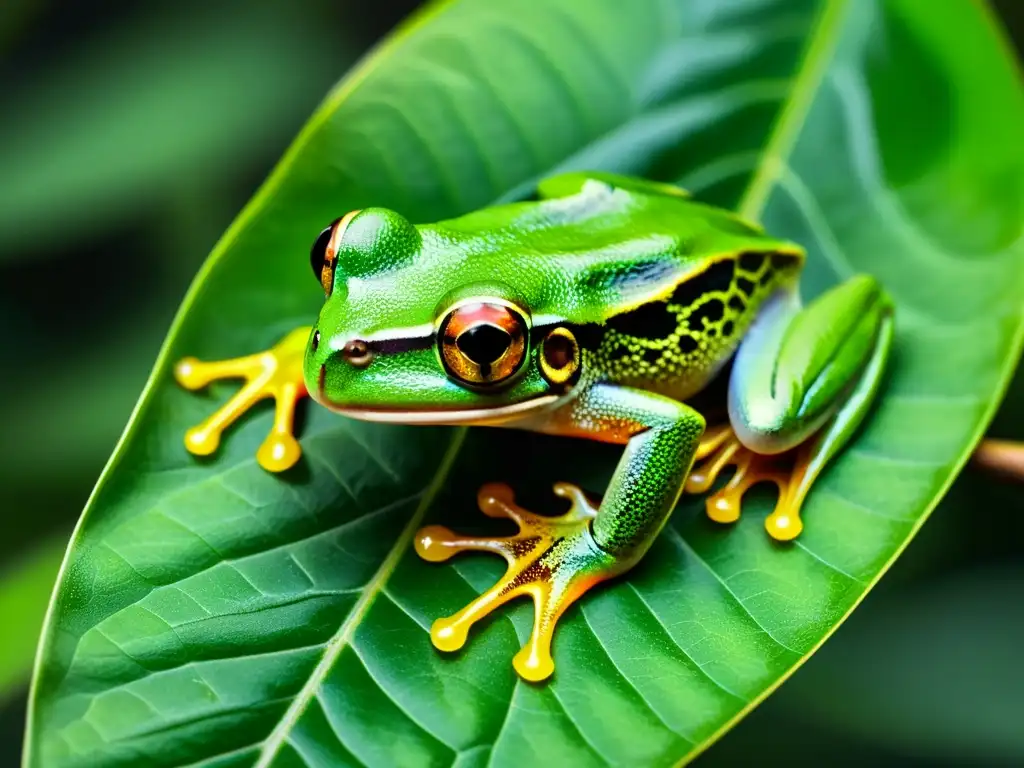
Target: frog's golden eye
<point>483,342</point>
<point>560,357</point>
<point>324,253</point>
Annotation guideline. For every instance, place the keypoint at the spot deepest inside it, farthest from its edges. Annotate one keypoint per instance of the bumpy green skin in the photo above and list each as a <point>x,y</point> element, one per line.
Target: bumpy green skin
<point>660,291</point>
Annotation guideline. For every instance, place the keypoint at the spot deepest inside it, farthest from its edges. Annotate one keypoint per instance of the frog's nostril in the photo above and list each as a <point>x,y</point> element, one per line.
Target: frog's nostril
<point>320,379</point>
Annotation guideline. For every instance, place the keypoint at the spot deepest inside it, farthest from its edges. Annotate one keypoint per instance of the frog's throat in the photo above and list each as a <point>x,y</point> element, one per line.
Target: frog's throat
<point>474,416</point>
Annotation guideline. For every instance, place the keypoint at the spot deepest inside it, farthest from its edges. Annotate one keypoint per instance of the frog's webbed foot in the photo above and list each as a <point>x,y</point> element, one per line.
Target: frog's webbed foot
<point>554,560</point>
<point>275,373</point>
<point>720,449</point>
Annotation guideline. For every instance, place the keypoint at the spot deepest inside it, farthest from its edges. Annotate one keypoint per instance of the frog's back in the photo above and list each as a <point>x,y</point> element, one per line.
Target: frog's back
<point>660,288</point>
<point>602,252</point>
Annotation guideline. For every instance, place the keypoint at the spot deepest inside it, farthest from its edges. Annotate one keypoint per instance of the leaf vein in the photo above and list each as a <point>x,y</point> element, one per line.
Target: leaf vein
<point>625,678</point>
<point>675,536</point>
<point>708,675</point>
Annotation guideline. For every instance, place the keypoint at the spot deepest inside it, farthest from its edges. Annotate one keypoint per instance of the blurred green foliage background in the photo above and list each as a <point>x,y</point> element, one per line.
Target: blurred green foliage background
<point>131,135</point>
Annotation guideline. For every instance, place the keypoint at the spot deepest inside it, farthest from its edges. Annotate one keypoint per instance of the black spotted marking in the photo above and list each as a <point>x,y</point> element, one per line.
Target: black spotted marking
<point>522,547</point>
<point>781,261</point>
<point>649,321</point>
<point>711,311</point>
<point>588,336</point>
<point>687,344</point>
<point>752,261</point>
<point>717,277</point>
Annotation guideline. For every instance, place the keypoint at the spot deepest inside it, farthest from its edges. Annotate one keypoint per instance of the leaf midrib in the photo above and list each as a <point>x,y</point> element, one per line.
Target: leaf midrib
<point>374,587</point>
<point>810,72</point>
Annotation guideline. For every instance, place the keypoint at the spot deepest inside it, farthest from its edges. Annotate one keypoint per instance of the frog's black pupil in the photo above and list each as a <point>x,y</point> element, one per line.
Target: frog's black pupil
<point>483,344</point>
<point>318,255</point>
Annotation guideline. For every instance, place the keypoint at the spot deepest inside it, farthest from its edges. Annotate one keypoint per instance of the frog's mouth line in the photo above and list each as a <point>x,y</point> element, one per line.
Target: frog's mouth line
<point>477,416</point>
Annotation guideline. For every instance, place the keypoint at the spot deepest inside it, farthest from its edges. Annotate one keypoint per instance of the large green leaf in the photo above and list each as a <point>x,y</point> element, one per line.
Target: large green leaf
<point>211,614</point>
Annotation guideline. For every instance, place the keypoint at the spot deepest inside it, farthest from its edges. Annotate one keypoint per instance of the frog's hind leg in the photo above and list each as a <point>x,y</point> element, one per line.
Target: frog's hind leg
<point>275,373</point>
<point>803,381</point>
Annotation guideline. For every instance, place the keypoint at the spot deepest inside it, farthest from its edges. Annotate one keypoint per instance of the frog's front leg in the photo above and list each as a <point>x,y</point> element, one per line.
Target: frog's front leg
<point>555,560</point>
<point>803,380</point>
<point>275,373</point>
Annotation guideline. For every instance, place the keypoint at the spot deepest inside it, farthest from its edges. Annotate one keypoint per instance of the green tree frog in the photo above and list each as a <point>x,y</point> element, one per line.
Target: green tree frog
<point>599,310</point>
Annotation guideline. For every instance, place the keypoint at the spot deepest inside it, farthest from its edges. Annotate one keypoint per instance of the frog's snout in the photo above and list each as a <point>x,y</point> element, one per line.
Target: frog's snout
<point>353,354</point>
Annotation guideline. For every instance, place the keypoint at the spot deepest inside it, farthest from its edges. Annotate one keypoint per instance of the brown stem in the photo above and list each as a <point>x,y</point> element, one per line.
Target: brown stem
<point>1002,457</point>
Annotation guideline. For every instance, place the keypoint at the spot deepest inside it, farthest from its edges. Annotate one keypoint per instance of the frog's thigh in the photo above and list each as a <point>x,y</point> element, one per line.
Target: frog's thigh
<point>805,379</point>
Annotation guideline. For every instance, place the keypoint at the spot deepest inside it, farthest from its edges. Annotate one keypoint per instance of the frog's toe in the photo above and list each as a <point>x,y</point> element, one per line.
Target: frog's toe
<point>276,373</point>
<point>554,560</point>
<point>786,471</point>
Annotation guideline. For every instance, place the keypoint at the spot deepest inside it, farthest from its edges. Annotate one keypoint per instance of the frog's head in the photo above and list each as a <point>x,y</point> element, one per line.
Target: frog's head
<point>413,330</point>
